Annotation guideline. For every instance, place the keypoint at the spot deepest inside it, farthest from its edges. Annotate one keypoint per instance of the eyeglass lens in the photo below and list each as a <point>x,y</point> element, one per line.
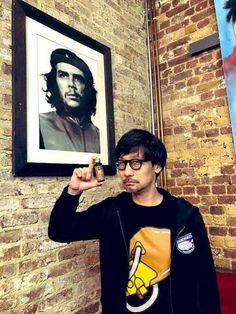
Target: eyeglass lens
<point>135,164</point>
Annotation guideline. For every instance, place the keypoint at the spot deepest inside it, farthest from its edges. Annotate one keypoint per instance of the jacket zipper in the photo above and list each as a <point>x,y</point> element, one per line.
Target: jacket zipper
<point>123,233</point>
<point>174,244</point>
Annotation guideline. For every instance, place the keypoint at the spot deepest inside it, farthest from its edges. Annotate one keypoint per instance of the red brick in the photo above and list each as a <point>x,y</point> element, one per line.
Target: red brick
<point>212,132</point>
<point>193,199</point>
<point>8,270</point>
<point>161,34</point>
<point>226,130</point>
<point>231,189</point>
<point>72,251</point>
<point>196,163</point>
<point>54,300</point>
<point>231,253</point>
<point>192,145</point>
<point>7,303</point>
<point>180,85</point>
<point>60,269</point>
<point>208,77</point>
<point>233,178</point>
<point>219,73</point>
<point>179,130</point>
<point>176,10</point>
<point>207,96</point>
<point>199,134</point>
<point>203,190</point>
<point>204,209</point>
<point>11,253</point>
<point>183,75</point>
<point>179,68</point>
<point>205,58</point>
<point>218,189</point>
<point>163,66</point>
<point>166,73</point>
<point>232,232</point>
<point>193,81</point>
<point>188,190</point>
<point>188,181</point>
<point>203,23</point>
<point>171,182</point>
<point>192,64</point>
<point>6,68</point>
<point>176,173</point>
<point>193,2</point>
<point>9,236</point>
<point>189,12</point>
<point>202,15</point>
<point>220,92</point>
<point>220,231</point>
<point>165,24</point>
<point>168,131</point>
<point>179,51</point>
<point>221,179</point>
<point>165,7</point>
<point>231,221</point>
<point>178,60</point>
<point>227,169</point>
<point>216,210</point>
<point>201,6</point>
<point>176,191</point>
<point>89,309</point>
<point>227,199</point>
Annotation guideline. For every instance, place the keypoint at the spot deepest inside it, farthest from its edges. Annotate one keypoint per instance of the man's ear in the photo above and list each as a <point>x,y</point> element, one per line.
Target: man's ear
<point>158,169</point>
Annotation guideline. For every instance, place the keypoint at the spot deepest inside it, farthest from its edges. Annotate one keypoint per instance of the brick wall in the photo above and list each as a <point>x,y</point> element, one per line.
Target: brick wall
<point>197,129</point>
<point>36,274</point>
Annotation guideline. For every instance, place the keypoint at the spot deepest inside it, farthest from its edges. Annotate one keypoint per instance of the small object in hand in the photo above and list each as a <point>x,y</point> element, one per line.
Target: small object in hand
<point>99,172</point>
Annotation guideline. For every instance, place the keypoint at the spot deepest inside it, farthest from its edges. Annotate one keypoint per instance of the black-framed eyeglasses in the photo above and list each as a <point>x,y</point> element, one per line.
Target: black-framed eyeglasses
<point>135,164</point>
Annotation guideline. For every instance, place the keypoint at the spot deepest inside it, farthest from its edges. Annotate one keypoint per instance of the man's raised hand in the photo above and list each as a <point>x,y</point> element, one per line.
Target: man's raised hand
<point>83,179</point>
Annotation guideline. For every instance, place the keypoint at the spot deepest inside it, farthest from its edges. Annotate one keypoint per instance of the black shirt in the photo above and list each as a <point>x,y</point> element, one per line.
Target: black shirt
<point>148,232</point>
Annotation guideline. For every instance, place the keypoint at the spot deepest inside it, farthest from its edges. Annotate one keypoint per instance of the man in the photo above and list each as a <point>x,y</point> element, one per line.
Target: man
<point>70,90</point>
<point>155,255</point>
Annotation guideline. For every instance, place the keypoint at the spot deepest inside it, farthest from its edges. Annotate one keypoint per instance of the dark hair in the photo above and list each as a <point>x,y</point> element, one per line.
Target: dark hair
<point>231,5</point>
<point>52,92</point>
<point>154,149</point>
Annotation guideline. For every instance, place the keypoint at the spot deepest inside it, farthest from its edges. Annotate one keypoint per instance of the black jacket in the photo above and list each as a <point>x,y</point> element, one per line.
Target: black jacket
<point>192,276</point>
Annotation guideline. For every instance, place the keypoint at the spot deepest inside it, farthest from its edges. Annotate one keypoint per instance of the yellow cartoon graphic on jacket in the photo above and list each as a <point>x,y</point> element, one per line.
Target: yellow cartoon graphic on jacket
<point>149,264</point>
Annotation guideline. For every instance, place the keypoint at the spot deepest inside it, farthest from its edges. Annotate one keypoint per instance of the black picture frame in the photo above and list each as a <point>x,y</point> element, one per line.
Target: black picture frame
<point>28,159</point>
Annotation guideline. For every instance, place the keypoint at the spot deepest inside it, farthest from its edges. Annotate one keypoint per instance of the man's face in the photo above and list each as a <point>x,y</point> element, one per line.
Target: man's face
<point>71,84</point>
<point>142,180</point>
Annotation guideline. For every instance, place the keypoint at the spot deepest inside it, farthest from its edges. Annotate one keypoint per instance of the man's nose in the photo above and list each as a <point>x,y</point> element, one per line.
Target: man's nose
<point>71,81</point>
<point>128,170</point>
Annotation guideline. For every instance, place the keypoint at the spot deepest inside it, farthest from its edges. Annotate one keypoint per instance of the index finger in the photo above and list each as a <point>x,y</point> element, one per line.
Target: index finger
<point>91,164</point>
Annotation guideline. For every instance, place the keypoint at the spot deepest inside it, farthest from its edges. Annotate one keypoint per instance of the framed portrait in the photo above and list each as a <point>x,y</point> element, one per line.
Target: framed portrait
<point>62,96</point>
<point>226,20</point>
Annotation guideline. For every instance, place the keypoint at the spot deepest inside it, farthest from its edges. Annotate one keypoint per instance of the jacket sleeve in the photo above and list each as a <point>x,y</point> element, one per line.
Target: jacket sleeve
<point>207,289</point>
<point>67,225</point>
